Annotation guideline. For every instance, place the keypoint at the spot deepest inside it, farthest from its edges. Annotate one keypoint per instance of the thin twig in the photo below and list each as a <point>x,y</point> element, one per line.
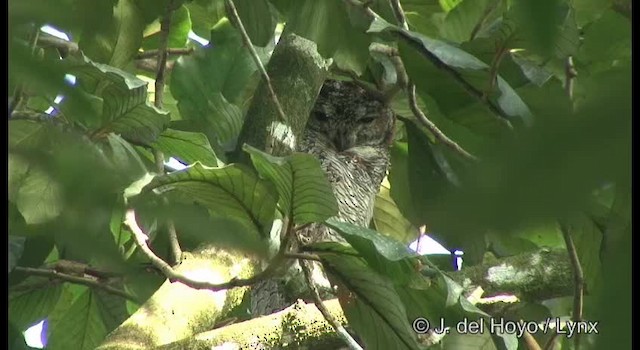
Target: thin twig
<point>77,268</point>
<point>65,48</point>
<point>77,280</point>
<point>439,135</point>
<point>302,256</point>
<point>402,79</point>
<point>578,278</point>
<point>468,87</point>
<point>162,52</point>
<point>570,74</point>
<point>529,340</point>
<point>173,241</point>
<point>495,64</point>
<point>411,91</point>
<point>173,276</point>
<point>150,65</point>
<point>399,14</point>
<point>169,51</point>
<point>233,12</point>
<point>165,25</point>
<point>340,330</point>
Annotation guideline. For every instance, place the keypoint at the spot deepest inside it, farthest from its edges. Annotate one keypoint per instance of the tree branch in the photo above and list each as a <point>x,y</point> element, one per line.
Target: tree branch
<point>470,89</point>
<point>169,51</point>
<point>570,74</point>
<point>77,280</point>
<point>233,12</point>
<point>411,91</point>
<point>578,278</point>
<point>340,330</point>
<point>171,274</point>
<point>65,47</point>
<point>439,135</point>
<point>548,275</point>
<point>296,327</point>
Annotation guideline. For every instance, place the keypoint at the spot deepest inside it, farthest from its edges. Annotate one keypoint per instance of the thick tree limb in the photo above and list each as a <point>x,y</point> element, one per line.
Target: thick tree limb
<point>297,73</point>
<point>298,326</point>
<point>536,276</point>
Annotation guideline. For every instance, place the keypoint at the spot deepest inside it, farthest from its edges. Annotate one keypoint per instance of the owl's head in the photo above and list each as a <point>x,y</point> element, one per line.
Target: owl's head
<point>349,116</point>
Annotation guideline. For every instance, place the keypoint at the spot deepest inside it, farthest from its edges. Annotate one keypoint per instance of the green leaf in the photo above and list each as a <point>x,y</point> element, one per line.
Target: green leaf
<point>115,38</point>
<point>539,23</point>
<point>371,304</point>
<point>606,40</point>
<point>204,15</point>
<point>231,192</point>
<point>551,169</point>
<point>461,64</point>
<point>209,85</point>
<point>385,255</point>
<point>82,327</point>
<point>305,192</point>
<point>388,218</point>
<point>587,238</point>
<point>589,10</point>
<point>125,107</point>
<point>16,247</point>
<point>258,20</point>
<point>330,24</point>
<point>31,301</point>
<point>124,157</point>
<point>37,196</point>
<point>188,147</point>
<point>178,31</point>
<point>470,17</point>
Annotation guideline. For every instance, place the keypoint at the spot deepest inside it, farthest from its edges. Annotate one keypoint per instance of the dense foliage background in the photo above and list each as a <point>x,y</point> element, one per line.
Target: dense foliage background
<point>531,99</point>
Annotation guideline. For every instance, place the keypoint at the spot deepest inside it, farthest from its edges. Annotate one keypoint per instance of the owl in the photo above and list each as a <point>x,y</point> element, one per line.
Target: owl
<point>349,131</point>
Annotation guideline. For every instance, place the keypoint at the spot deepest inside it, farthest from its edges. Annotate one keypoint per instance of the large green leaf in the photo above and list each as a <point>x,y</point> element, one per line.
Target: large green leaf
<point>32,300</point>
<point>37,196</point>
<point>305,192</point>
<point>550,170</point>
<point>606,40</point>
<point>210,84</point>
<point>456,68</point>
<point>126,110</point>
<point>116,35</point>
<point>16,247</point>
<point>230,192</point>
<point>384,254</point>
<point>470,18</point>
<point>388,218</point>
<point>258,20</point>
<point>371,304</point>
<point>204,15</point>
<point>329,24</point>
<point>81,327</point>
<point>189,147</point>
<point>178,31</point>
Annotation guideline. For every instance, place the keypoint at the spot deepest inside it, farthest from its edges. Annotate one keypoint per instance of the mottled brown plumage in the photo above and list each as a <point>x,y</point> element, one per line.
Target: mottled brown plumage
<point>349,131</point>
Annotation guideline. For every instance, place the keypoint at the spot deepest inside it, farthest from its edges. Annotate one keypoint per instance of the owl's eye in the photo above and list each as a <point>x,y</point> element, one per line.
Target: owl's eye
<point>365,120</point>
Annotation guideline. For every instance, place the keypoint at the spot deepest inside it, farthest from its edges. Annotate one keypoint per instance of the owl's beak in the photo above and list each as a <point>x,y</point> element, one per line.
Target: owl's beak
<point>343,141</point>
